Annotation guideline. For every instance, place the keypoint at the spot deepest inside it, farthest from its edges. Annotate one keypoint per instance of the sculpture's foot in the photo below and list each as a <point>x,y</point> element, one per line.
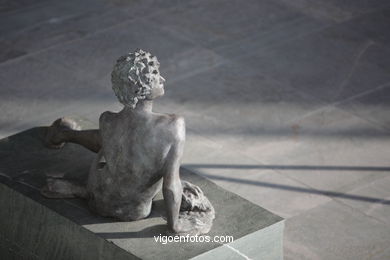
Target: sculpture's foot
<point>62,189</point>
<point>54,135</point>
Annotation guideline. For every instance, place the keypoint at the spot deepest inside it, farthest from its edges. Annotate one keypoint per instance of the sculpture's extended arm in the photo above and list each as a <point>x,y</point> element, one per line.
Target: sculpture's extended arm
<point>172,189</point>
<point>90,139</point>
<point>66,130</point>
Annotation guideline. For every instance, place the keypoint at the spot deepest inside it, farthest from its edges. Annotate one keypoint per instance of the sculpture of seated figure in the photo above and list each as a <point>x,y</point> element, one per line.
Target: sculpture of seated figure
<point>138,153</point>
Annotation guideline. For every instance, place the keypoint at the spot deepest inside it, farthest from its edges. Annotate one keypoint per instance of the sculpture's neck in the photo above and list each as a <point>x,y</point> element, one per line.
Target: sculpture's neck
<point>143,106</point>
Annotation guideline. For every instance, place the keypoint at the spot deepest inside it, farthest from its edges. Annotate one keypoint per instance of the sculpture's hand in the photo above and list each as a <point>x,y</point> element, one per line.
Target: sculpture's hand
<point>54,136</point>
<point>180,228</point>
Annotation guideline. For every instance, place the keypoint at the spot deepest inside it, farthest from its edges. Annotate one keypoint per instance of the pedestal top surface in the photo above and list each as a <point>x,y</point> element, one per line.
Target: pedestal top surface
<point>25,164</point>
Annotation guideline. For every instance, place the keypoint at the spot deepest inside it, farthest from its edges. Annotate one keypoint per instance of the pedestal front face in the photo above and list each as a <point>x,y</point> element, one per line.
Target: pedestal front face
<point>33,227</point>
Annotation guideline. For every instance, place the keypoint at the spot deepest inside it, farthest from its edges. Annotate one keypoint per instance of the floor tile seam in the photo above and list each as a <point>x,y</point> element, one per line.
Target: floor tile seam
<point>323,104</point>
<point>60,67</point>
<point>325,26</point>
<point>368,120</point>
<point>201,70</point>
<point>23,9</point>
<point>318,110</point>
<point>337,104</point>
<point>80,39</point>
<point>86,79</point>
<point>180,35</point>
<point>63,67</point>
<point>319,192</point>
<point>328,193</point>
<point>277,28</point>
<point>286,124</point>
<point>268,47</point>
<point>32,26</point>
<point>305,212</point>
<point>64,17</point>
<point>36,53</point>
<point>351,18</point>
<point>196,132</point>
<point>368,180</point>
<point>340,203</point>
<point>337,200</point>
<point>195,42</point>
<point>304,92</point>
<point>363,93</point>
<point>281,174</point>
<point>102,12</point>
<point>184,35</point>
<point>286,86</point>
<point>361,212</point>
<point>324,17</point>
<point>263,162</point>
<point>360,15</point>
<point>217,151</point>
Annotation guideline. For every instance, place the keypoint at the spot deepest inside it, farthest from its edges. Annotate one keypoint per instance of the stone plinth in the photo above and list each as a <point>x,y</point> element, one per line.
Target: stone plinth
<point>33,227</point>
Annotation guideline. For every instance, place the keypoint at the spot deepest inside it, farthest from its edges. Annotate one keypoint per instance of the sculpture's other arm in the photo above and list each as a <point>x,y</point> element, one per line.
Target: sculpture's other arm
<point>172,189</point>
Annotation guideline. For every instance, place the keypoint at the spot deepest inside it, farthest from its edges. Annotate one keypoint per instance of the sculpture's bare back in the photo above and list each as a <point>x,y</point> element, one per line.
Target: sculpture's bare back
<point>138,153</point>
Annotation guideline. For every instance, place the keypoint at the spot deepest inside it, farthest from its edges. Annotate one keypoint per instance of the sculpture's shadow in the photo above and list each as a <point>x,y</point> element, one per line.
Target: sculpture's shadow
<point>146,232</point>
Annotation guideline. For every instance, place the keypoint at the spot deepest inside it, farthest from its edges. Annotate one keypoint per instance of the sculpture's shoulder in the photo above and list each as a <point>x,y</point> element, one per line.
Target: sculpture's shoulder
<point>174,126</point>
<point>106,117</point>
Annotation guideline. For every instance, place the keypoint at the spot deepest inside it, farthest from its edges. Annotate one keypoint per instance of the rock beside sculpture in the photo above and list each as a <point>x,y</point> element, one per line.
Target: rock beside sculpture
<point>196,211</point>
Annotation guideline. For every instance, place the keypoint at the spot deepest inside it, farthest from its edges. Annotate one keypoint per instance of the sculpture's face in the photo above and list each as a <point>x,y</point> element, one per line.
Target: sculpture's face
<point>157,87</point>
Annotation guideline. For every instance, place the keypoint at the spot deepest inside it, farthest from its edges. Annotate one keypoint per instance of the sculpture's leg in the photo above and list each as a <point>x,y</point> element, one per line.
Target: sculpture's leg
<point>57,188</point>
<point>65,130</point>
<point>62,131</point>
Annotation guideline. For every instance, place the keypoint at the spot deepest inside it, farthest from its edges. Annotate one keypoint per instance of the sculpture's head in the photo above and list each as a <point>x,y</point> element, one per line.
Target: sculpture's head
<point>135,77</point>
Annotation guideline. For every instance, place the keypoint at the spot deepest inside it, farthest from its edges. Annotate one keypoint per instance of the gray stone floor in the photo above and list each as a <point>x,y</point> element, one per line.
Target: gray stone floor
<point>287,103</point>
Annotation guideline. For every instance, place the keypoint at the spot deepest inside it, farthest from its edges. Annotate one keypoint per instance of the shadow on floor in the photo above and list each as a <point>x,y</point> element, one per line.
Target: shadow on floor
<point>291,167</point>
<point>334,194</point>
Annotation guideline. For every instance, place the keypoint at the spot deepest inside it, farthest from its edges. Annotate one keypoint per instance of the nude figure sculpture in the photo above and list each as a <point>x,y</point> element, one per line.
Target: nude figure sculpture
<point>138,153</point>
